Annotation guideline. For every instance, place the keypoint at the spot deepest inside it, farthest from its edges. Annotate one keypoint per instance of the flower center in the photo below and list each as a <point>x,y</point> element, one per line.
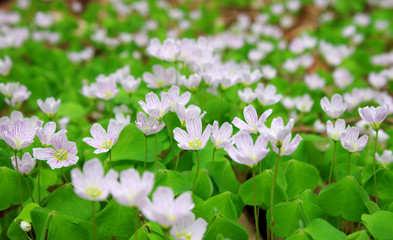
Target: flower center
<point>106,144</point>
<point>160,83</point>
<point>195,144</point>
<point>93,192</point>
<point>61,155</point>
<point>184,233</point>
<point>108,95</point>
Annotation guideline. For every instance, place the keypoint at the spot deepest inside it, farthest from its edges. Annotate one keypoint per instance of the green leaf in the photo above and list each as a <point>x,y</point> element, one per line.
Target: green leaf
<point>318,229</point>
<point>300,176</point>
<point>290,216</point>
<point>174,180</point>
<point>220,204</point>
<point>59,226</point>
<point>372,207</point>
<point>71,109</point>
<point>379,224</point>
<point>384,184</point>
<point>14,230</point>
<point>64,200</point>
<point>116,221</point>
<point>203,186</point>
<point>345,198</point>
<point>361,235</point>
<point>227,227</point>
<point>9,188</point>
<point>131,145</point>
<point>224,177</point>
<point>263,185</point>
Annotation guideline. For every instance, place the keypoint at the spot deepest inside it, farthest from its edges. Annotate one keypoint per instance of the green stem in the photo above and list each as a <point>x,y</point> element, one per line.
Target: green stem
<point>28,188</point>
<point>303,213</point>
<point>255,206</point>
<point>136,222</point>
<point>211,165</point>
<point>375,175</point>
<point>110,159</point>
<point>144,165</point>
<point>177,158</point>
<point>64,176</point>
<point>197,172</point>
<point>166,233</point>
<point>39,183</point>
<point>349,162</point>
<point>168,127</point>
<point>333,161</point>
<point>272,194</point>
<point>46,226</point>
<point>155,154</point>
<point>93,216</point>
<point>20,184</point>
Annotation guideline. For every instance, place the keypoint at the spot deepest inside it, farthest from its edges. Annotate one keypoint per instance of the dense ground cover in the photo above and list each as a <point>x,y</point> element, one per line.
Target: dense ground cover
<point>196,119</point>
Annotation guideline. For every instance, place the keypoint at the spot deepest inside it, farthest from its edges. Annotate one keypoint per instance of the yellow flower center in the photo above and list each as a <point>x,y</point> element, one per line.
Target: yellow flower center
<point>185,234</point>
<point>195,144</point>
<point>61,155</point>
<point>160,83</point>
<point>93,192</point>
<point>108,95</point>
<point>106,144</point>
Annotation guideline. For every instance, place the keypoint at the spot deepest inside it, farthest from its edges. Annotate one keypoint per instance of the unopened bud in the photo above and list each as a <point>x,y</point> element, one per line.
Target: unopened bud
<point>25,226</point>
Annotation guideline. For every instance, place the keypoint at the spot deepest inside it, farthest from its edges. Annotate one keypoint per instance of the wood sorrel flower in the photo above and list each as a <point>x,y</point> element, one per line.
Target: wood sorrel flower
<point>387,156</point>
<point>154,107</point>
<point>335,108</point>
<point>101,140</point>
<point>334,132</point>
<point>18,134</point>
<point>175,99</point>
<point>92,184</point>
<point>160,78</point>
<point>350,140</point>
<point>267,95</point>
<point>193,139</point>
<point>129,83</point>
<point>221,137</point>
<point>189,228</point>
<point>374,116</point>
<point>46,133</point>
<point>148,126</point>
<point>63,154</point>
<point>254,124</point>
<point>165,209</point>
<point>50,106</point>
<point>5,66</point>
<point>191,112</point>
<point>246,152</point>
<point>247,95</point>
<point>106,87</point>
<point>288,146</point>
<point>278,131</point>
<point>25,165</point>
<point>133,190</point>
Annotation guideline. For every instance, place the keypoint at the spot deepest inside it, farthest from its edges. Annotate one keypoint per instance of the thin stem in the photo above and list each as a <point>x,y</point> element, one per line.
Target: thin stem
<point>93,215</point>
<point>28,188</point>
<point>136,222</point>
<point>177,159</point>
<point>349,162</point>
<point>64,176</point>
<point>197,172</point>
<point>333,161</point>
<point>303,213</point>
<point>168,127</point>
<point>211,165</point>
<point>20,184</point>
<point>375,175</point>
<point>110,159</point>
<point>155,154</point>
<point>255,205</point>
<point>39,183</point>
<point>166,233</point>
<point>272,194</point>
<point>144,165</point>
